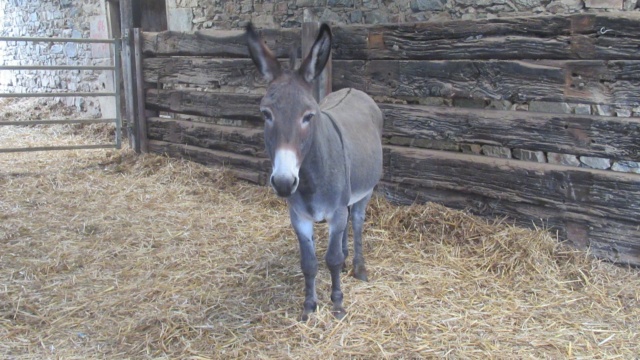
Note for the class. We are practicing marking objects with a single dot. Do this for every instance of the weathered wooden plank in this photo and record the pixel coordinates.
(209, 72)
(590, 208)
(603, 82)
(203, 103)
(539, 37)
(609, 239)
(579, 191)
(593, 81)
(579, 81)
(581, 135)
(249, 168)
(614, 24)
(220, 43)
(238, 140)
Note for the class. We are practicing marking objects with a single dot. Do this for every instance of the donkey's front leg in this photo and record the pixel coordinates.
(335, 258)
(308, 261)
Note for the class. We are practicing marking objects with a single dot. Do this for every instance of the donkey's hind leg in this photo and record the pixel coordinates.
(345, 243)
(357, 221)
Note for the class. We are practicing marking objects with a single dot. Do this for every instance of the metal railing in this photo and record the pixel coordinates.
(116, 68)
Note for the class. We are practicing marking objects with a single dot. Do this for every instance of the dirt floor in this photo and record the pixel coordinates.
(107, 254)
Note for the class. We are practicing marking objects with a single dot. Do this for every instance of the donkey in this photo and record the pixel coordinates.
(326, 157)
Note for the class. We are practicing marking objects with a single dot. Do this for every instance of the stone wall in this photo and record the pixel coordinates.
(60, 19)
(189, 15)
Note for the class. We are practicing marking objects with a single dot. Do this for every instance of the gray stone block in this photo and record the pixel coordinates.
(529, 155)
(596, 162)
(562, 159)
(527, 4)
(623, 112)
(603, 110)
(340, 3)
(582, 109)
(626, 166)
(603, 4)
(436, 144)
(550, 107)
(427, 5)
(375, 17)
(471, 149)
(179, 19)
(356, 17)
(496, 151)
(499, 105)
(469, 103)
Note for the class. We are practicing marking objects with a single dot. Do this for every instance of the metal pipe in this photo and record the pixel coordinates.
(67, 94)
(117, 75)
(116, 68)
(55, 67)
(53, 122)
(49, 148)
(47, 39)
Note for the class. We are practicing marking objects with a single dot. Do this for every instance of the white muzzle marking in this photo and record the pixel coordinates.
(284, 177)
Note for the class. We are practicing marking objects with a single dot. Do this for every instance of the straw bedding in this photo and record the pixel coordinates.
(106, 254)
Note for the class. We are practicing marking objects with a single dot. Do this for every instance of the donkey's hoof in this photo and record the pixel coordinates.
(304, 316)
(309, 306)
(338, 312)
(360, 273)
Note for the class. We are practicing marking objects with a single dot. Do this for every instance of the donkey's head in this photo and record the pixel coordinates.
(289, 107)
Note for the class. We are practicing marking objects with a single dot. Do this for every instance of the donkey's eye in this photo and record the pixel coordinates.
(267, 115)
(307, 118)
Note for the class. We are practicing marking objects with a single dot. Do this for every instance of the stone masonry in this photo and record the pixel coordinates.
(60, 19)
(187, 15)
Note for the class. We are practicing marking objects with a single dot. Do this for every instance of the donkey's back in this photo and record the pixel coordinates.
(359, 122)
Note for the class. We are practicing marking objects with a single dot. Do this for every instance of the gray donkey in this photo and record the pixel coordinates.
(326, 157)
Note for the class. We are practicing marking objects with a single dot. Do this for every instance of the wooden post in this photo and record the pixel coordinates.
(141, 125)
(128, 73)
(322, 84)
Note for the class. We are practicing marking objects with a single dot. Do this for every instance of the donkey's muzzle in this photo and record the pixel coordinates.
(284, 185)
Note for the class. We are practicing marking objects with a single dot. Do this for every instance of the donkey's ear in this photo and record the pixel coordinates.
(318, 55)
(264, 59)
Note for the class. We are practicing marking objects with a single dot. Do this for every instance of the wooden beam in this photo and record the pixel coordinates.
(213, 73)
(594, 205)
(582, 135)
(218, 43)
(245, 167)
(538, 37)
(141, 118)
(582, 81)
(238, 140)
(203, 103)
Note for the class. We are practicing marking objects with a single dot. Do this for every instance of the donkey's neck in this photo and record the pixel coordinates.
(323, 169)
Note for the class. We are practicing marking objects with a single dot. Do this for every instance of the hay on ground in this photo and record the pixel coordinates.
(106, 254)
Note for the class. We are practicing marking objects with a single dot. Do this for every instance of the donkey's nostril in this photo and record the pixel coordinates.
(284, 185)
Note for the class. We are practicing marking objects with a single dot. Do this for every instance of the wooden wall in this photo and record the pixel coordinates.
(210, 89)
